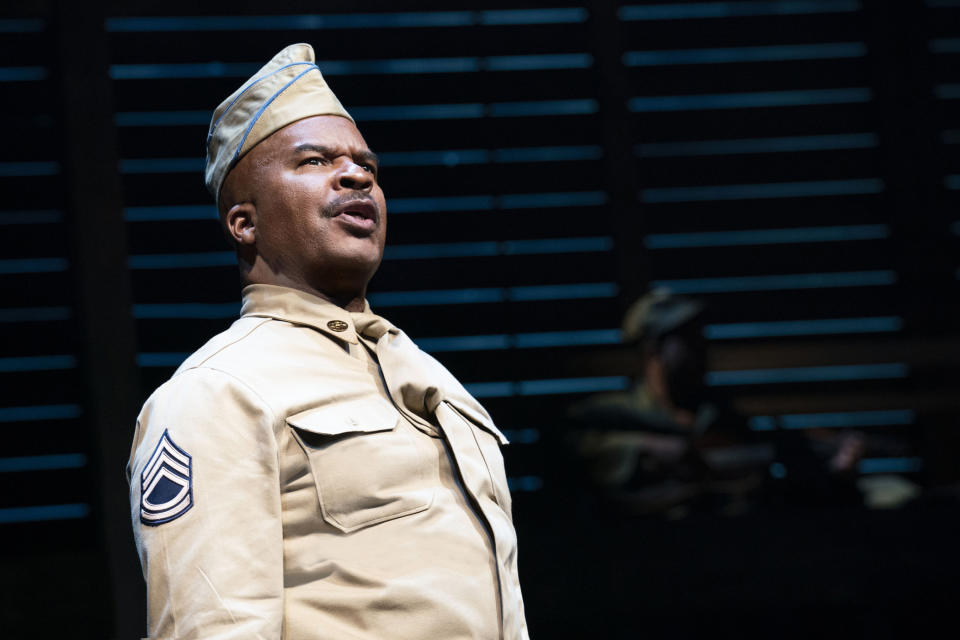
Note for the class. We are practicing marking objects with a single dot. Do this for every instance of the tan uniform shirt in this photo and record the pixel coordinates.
(283, 485)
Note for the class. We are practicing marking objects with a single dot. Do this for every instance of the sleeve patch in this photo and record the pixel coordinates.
(166, 484)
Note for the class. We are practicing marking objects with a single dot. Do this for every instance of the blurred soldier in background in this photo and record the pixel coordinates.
(670, 445)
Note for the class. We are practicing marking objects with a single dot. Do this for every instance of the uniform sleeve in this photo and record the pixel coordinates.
(205, 502)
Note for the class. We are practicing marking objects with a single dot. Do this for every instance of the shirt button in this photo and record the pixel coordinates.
(337, 325)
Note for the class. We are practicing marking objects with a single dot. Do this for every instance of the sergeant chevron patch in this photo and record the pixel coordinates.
(166, 484)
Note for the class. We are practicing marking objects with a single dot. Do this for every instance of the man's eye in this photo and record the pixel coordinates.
(369, 168)
(315, 160)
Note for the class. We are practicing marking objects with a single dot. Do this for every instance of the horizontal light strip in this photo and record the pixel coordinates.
(448, 250)
(522, 436)
(494, 294)
(174, 212)
(807, 189)
(161, 165)
(556, 199)
(37, 363)
(35, 314)
(454, 157)
(491, 248)
(183, 70)
(840, 419)
(757, 145)
(491, 389)
(161, 359)
(22, 74)
(520, 340)
(37, 216)
(944, 45)
(776, 282)
(474, 110)
(766, 236)
(33, 265)
(446, 158)
(537, 62)
(29, 169)
(466, 110)
(491, 342)
(192, 310)
(947, 91)
(548, 154)
(563, 291)
(524, 483)
(775, 53)
(390, 66)
(566, 338)
(701, 10)
(313, 22)
(506, 201)
(557, 245)
(890, 465)
(441, 203)
(547, 387)
(39, 412)
(565, 15)
(887, 371)
(73, 511)
(21, 25)
(183, 260)
(43, 463)
(542, 108)
(740, 330)
(420, 112)
(942, 4)
(760, 99)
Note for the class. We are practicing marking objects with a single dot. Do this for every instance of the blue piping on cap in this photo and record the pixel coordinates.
(214, 126)
(266, 104)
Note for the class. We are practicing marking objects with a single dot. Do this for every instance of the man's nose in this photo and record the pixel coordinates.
(353, 176)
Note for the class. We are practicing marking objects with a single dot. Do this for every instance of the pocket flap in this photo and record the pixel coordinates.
(357, 415)
(475, 414)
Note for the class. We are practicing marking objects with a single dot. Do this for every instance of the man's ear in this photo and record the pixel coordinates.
(241, 223)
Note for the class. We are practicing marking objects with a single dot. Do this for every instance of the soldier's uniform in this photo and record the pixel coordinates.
(309, 473)
(283, 487)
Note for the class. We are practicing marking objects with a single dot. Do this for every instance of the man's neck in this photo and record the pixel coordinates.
(353, 302)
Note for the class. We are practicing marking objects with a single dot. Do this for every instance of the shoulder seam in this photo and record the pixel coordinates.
(229, 344)
(260, 398)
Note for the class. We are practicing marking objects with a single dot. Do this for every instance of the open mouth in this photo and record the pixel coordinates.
(361, 211)
(359, 216)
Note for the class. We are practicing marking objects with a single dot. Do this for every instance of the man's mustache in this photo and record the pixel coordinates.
(331, 209)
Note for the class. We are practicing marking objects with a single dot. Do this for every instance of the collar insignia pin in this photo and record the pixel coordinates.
(337, 325)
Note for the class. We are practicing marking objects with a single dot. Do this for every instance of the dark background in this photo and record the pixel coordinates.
(794, 164)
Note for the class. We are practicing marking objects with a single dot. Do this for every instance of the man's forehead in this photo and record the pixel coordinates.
(320, 131)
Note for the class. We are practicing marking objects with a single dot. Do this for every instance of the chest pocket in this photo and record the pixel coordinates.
(366, 462)
(488, 441)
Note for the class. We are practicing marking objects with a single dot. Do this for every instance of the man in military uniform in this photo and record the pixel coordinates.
(669, 446)
(309, 473)
(665, 446)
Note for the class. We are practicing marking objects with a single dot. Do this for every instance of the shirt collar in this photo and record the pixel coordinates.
(300, 307)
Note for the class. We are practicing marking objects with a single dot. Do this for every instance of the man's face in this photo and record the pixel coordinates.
(319, 213)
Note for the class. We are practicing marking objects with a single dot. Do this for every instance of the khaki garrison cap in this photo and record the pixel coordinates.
(288, 88)
(658, 313)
